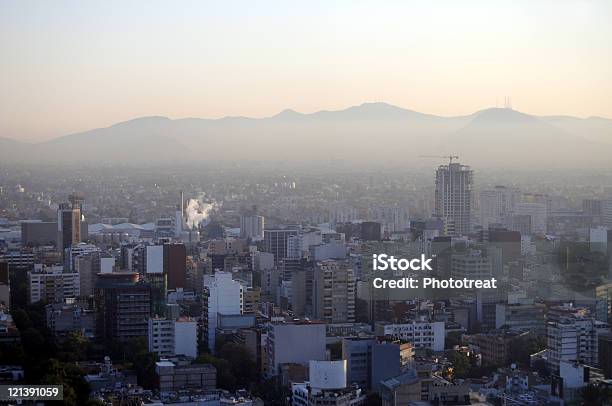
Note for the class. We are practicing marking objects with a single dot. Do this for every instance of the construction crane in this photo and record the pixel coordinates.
(449, 157)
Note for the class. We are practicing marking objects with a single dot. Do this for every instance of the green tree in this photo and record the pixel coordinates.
(225, 375)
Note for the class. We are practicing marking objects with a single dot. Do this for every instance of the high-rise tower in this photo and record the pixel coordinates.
(453, 197)
(69, 223)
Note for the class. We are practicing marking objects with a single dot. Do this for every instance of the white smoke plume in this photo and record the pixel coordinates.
(197, 212)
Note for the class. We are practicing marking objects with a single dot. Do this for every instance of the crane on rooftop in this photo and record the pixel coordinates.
(449, 157)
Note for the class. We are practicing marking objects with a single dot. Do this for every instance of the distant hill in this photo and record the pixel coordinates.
(371, 132)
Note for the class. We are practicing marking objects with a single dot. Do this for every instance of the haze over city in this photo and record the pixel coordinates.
(351, 203)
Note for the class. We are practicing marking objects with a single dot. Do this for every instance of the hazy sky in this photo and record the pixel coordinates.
(67, 66)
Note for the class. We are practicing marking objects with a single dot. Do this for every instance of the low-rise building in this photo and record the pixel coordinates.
(177, 375)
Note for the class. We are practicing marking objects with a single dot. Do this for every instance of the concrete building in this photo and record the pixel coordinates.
(65, 318)
(419, 333)
(333, 292)
(473, 264)
(69, 223)
(495, 204)
(326, 386)
(169, 338)
(394, 218)
(527, 316)
(494, 346)
(298, 342)
(36, 233)
(453, 196)
(123, 306)
(252, 227)
(604, 353)
(52, 284)
(574, 339)
(538, 214)
(175, 264)
(275, 242)
(88, 266)
(221, 295)
(175, 376)
(358, 355)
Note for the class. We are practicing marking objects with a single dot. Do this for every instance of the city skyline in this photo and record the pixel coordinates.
(70, 67)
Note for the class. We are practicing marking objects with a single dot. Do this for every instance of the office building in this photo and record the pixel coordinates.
(69, 223)
(123, 306)
(275, 242)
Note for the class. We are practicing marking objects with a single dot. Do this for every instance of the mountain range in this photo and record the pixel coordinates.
(368, 133)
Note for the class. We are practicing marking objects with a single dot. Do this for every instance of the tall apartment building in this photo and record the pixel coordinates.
(52, 284)
(574, 339)
(252, 227)
(221, 295)
(333, 292)
(453, 196)
(123, 306)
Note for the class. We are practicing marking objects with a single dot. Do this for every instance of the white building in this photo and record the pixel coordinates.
(574, 339)
(326, 386)
(419, 333)
(154, 259)
(222, 295)
(173, 337)
(52, 284)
